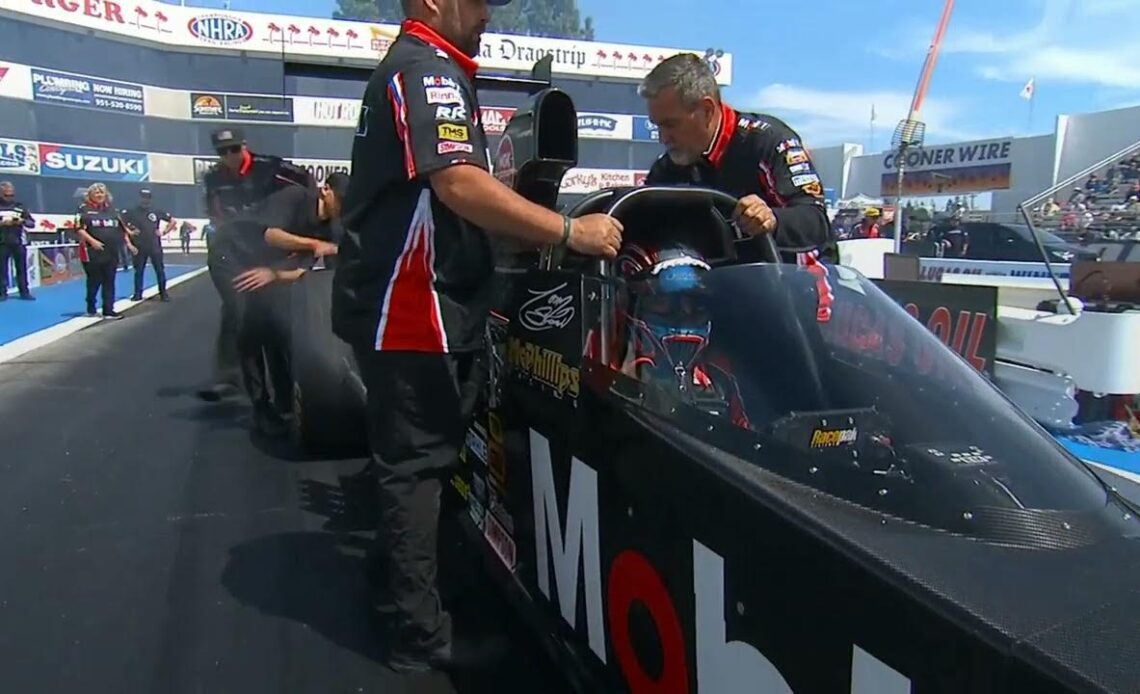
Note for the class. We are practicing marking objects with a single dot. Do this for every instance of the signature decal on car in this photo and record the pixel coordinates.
(547, 309)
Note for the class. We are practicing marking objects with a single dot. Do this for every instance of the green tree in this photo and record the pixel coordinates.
(549, 18)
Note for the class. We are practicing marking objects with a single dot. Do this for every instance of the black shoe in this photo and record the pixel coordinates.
(218, 391)
(136, 297)
(463, 653)
(111, 315)
(27, 297)
(164, 298)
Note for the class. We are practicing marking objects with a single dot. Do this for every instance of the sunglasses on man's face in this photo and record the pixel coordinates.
(232, 149)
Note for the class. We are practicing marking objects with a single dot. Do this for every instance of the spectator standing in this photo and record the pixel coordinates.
(144, 220)
(15, 220)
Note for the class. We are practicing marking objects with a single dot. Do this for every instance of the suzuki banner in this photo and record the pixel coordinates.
(352, 42)
(65, 161)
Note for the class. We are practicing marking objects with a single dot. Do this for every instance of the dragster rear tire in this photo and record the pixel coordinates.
(328, 396)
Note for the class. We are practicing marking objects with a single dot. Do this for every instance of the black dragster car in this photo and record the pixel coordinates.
(853, 507)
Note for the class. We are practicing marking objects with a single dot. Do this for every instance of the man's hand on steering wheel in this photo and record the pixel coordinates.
(753, 216)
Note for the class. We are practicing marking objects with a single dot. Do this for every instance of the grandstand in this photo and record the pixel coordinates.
(1105, 205)
(132, 99)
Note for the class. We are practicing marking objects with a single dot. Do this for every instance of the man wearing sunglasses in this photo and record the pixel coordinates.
(237, 188)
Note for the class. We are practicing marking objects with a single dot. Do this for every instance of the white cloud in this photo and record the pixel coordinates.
(826, 118)
(1090, 42)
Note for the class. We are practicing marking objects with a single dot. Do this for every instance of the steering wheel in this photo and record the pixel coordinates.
(721, 205)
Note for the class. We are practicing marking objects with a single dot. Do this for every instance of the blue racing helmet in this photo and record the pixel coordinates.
(668, 300)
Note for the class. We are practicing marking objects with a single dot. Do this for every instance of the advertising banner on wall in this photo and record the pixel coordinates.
(605, 126)
(326, 111)
(580, 181)
(15, 81)
(65, 161)
(321, 168)
(241, 107)
(69, 89)
(965, 167)
(644, 130)
(352, 42)
(19, 157)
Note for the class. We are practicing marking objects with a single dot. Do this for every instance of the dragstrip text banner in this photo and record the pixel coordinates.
(327, 40)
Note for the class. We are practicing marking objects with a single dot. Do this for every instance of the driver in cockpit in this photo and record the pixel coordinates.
(665, 327)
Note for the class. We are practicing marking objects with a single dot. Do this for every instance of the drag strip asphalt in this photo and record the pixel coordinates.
(152, 544)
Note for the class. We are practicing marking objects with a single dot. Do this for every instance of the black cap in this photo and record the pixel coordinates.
(145, 193)
(227, 137)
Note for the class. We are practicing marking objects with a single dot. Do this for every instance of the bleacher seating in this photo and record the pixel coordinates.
(1106, 206)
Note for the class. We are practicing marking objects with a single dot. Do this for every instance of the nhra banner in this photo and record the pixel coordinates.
(359, 43)
(964, 317)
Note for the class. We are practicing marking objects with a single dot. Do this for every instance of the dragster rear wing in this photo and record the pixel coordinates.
(540, 78)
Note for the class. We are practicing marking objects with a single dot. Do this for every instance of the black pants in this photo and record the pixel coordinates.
(152, 252)
(101, 280)
(227, 368)
(419, 406)
(185, 244)
(263, 346)
(19, 256)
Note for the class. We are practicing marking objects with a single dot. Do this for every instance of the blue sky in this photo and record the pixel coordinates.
(822, 64)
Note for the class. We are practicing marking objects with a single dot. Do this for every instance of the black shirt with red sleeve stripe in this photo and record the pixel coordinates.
(757, 154)
(411, 274)
(236, 201)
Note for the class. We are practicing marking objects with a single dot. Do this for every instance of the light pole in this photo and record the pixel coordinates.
(909, 133)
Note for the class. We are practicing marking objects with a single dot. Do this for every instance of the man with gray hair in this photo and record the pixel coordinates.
(754, 157)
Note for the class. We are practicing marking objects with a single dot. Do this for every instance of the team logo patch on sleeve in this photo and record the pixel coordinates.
(456, 133)
(453, 147)
(801, 181)
(784, 146)
(451, 113)
(443, 95)
(796, 156)
(813, 189)
(440, 81)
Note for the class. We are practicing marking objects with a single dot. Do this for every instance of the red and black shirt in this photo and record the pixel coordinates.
(105, 225)
(757, 154)
(411, 274)
(235, 202)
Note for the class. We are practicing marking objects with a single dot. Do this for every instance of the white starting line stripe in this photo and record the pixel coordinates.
(27, 343)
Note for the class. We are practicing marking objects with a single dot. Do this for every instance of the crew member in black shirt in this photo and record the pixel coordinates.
(236, 190)
(412, 290)
(299, 225)
(754, 157)
(144, 220)
(15, 220)
(102, 233)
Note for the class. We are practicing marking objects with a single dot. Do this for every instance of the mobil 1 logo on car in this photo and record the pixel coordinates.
(662, 610)
(97, 164)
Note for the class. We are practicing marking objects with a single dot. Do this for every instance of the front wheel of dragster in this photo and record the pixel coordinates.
(329, 404)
